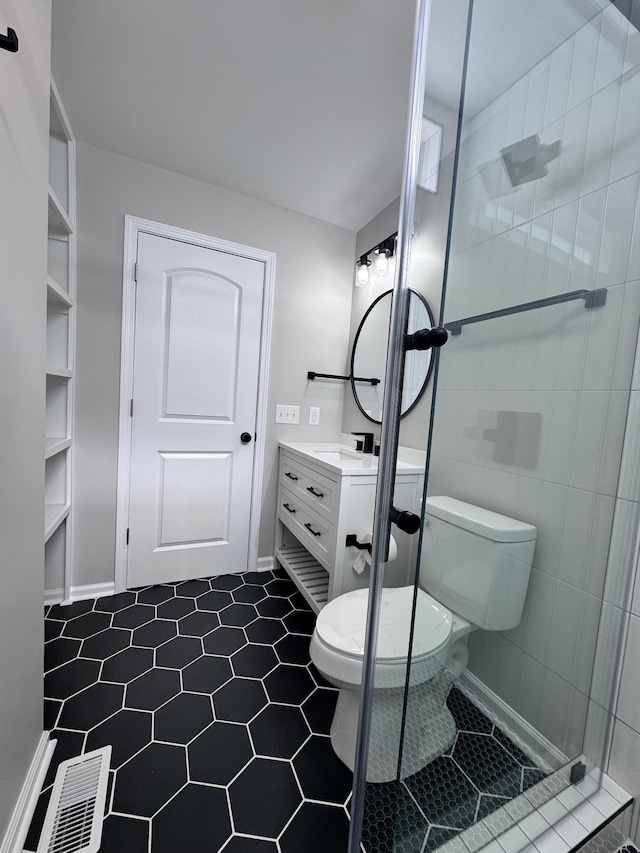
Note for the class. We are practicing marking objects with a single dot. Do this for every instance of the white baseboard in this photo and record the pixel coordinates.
(79, 593)
(264, 564)
(527, 736)
(16, 833)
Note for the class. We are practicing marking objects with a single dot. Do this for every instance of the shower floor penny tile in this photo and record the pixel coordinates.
(219, 725)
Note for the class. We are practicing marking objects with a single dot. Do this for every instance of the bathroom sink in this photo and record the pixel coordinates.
(337, 455)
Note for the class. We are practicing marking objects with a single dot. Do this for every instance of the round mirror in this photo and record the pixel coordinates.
(369, 356)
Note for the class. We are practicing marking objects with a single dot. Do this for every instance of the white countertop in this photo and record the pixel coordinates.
(344, 460)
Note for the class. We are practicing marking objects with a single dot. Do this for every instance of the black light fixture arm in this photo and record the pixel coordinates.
(311, 375)
(10, 41)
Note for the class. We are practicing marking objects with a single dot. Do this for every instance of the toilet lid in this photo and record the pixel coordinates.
(342, 623)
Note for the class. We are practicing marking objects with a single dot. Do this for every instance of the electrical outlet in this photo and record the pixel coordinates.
(314, 415)
(287, 414)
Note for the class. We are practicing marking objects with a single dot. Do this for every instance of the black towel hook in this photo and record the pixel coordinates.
(10, 41)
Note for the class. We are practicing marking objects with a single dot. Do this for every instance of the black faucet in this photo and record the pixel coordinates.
(366, 445)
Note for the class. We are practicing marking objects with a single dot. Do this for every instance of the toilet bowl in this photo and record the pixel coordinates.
(439, 641)
(474, 573)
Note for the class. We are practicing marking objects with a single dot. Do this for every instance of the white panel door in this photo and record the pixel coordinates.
(195, 385)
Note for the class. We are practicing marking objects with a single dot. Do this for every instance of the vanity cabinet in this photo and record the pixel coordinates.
(321, 500)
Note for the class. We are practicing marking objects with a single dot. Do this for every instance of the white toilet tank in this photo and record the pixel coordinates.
(477, 562)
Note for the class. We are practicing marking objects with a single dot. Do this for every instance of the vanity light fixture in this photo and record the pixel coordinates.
(362, 275)
(382, 253)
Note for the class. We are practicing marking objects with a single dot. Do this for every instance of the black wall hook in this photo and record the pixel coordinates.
(10, 41)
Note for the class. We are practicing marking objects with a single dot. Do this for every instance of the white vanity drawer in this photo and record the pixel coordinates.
(313, 488)
(311, 529)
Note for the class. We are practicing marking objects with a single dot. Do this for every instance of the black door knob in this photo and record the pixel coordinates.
(245, 438)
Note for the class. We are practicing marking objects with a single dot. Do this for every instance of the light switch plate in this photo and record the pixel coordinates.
(287, 414)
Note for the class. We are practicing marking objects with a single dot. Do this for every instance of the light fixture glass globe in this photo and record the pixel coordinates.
(381, 263)
(362, 275)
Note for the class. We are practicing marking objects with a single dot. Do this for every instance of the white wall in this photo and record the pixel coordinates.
(310, 325)
(24, 122)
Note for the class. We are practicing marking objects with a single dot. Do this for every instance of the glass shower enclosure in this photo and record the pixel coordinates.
(529, 251)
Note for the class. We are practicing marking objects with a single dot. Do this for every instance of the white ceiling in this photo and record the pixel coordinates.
(301, 103)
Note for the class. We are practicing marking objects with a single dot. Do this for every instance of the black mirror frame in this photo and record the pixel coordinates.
(418, 397)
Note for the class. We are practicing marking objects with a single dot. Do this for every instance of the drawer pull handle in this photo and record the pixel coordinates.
(290, 508)
(311, 530)
(290, 476)
(314, 493)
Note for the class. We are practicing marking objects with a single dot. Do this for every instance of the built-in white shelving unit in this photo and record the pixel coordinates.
(61, 288)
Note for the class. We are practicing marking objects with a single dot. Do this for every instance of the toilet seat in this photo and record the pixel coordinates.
(337, 646)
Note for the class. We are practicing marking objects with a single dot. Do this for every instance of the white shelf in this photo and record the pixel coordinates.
(59, 222)
(305, 571)
(60, 358)
(57, 297)
(54, 515)
(59, 372)
(52, 446)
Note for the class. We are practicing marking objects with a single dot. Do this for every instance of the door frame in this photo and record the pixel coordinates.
(133, 226)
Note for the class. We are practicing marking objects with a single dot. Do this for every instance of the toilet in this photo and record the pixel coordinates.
(474, 574)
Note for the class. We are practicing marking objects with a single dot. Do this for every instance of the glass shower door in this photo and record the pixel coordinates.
(530, 248)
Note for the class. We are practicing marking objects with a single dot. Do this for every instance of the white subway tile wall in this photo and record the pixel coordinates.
(578, 227)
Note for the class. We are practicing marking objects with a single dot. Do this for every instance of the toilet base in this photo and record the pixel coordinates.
(429, 728)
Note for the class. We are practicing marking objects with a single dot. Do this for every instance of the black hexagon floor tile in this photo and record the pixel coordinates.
(238, 615)
(214, 601)
(52, 629)
(101, 646)
(280, 587)
(198, 624)
(134, 616)
(293, 649)
(66, 612)
(153, 689)
(268, 814)
(194, 821)
(300, 622)
(127, 731)
(274, 607)
(218, 754)
(121, 834)
(71, 678)
(60, 651)
(249, 594)
(155, 594)
(266, 631)
(319, 708)
(321, 774)
(87, 625)
(468, 718)
(176, 608)
(316, 828)
(127, 665)
(278, 731)
(179, 652)
(254, 661)
(239, 700)
(114, 603)
(224, 640)
(181, 719)
(289, 684)
(192, 589)
(155, 633)
(206, 674)
(226, 582)
(149, 780)
(91, 706)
